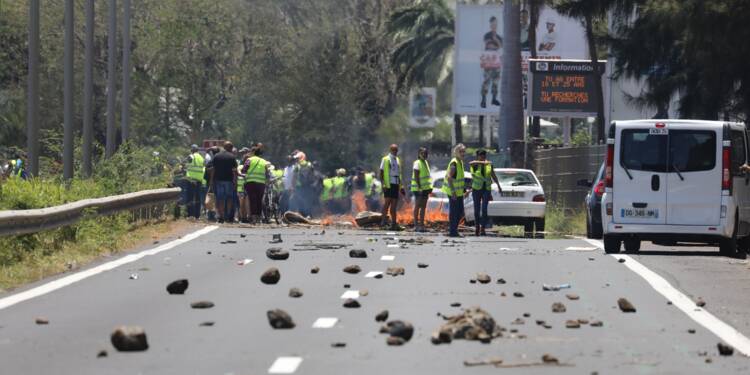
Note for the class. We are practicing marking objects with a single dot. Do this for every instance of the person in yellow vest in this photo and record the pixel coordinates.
(421, 187)
(454, 188)
(390, 174)
(244, 214)
(482, 176)
(326, 195)
(256, 171)
(370, 186)
(341, 192)
(194, 173)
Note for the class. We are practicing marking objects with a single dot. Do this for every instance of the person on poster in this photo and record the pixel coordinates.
(549, 40)
(524, 30)
(490, 63)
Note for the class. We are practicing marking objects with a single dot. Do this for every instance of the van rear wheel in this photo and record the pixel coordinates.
(612, 245)
(632, 245)
(730, 246)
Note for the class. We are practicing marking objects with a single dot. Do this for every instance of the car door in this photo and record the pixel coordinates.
(639, 193)
(694, 178)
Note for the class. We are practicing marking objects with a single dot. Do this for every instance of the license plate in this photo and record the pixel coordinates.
(640, 213)
(512, 194)
(658, 131)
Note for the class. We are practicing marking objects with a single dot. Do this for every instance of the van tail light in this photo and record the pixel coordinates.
(538, 198)
(726, 173)
(610, 161)
(599, 188)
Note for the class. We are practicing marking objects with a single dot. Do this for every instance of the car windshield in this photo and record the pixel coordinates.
(515, 178)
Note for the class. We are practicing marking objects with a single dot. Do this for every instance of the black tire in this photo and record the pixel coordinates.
(539, 227)
(528, 227)
(632, 245)
(589, 233)
(596, 230)
(730, 246)
(612, 245)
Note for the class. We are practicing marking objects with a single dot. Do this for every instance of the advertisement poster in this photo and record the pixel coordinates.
(478, 59)
(422, 107)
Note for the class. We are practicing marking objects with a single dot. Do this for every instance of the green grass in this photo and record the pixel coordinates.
(565, 222)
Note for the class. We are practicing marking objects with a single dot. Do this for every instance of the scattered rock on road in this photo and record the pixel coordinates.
(724, 349)
(456, 304)
(202, 305)
(41, 320)
(473, 324)
(621, 260)
(382, 316)
(295, 293)
(422, 265)
(395, 341)
(572, 324)
(270, 276)
(549, 359)
(596, 323)
(276, 238)
(442, 336)
(357, 253)
(401, 329)
(395, 271)
(625, 305)
(102, 353)
(277, 253)
(518, 294)
(351, 303)
(572, 296)
(338, 345)
(206, 324)
(558, 307)
(700, 302)
(315, 269)
(483, 278)
(279, 319)
(691, 331)
(129, 339)
(353, 269)
(177, 286)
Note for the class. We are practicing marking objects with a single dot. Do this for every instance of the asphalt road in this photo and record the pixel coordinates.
(655, 339)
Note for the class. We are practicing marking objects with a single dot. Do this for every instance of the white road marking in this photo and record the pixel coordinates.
(350, 294)
(285, 365)
(390, 233)
(76, 277)
(388, 257)
(723, 330)
(372, 274)
(325, 322)
(576, 248)
(392, 245)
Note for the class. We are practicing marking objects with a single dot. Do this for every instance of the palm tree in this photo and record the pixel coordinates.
(512, 109)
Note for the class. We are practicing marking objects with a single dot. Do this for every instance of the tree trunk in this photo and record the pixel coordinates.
(534, 8)
(512, 106)
(600, 121)
(481, 130)
(457, 128)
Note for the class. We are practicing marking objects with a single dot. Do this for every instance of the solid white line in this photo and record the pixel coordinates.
(576, 248)
(388, 257)
(325, 322)
(285, 365)
(723, 330)
(76, 277)
(354, 294)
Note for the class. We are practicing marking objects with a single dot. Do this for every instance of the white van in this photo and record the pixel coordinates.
(676, 181)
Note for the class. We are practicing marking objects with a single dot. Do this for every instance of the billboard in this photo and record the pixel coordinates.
(477, 63)
(557, 36)
(562, 88)
(422, 107)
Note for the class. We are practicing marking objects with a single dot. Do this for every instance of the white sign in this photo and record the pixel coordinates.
(422, 107)
(477, 65)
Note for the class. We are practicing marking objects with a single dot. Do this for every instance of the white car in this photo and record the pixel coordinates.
(438, 200)
(522, 201)
(676, 180)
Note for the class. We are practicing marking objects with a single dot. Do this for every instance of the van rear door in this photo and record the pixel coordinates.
(694, 179)
(639, 194)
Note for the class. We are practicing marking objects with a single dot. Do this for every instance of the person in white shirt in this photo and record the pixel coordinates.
(549, 40)
(390, 174)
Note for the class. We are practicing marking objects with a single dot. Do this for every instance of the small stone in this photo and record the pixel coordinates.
(443, 336)
(363, 292)
(572, 296)
(338, 345)
(347, 286)
(315, 269)
(270, 276)
(709, 360)
(558, 307)
(177, 286)
(276, 238)
(502, 294)
(724, 349)
(518, 321)
(669, 302)
(242, 235)
(621, 260)
(382, 316)
(501, 281)
(547, 326)
(422, 265)
(518, 294)
(548, 358)
(379, 276)
(207, 324)
(202, 305)
(357, 253)
(351, 303)
(483, 278)
(540, 322)
(625, 305)
(572, 324)
(394, 341)
(590, 258)
(691, 331)
(277, 253)
(209, 252)
(513, 330)
(596, 323)
(129, 339)
(526, 315)
(395, 271)
(583, 321)
(400, 329)
(295, 293)
(280, 319)
(456, 304)
(472, 281)
(41, 320)
(102, 353)
(353, 269)
(700, 302)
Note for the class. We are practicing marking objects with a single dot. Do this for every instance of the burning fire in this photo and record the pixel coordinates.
(405, 212)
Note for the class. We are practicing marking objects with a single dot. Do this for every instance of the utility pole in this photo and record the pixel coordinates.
(111, 83)
(125, 71)
(32, 104)
(68, 92)
(88, 89)
(511, 110)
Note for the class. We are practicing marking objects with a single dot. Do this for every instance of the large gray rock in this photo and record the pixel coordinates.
(473, 324)
(129, 339)
(279, 319)
(271, 276)
(399, 328)
(357, 253)
(277, 253)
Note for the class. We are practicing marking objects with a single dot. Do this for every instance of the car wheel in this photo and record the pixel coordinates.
(528, 227)
(612, 245)
(589, 234)
(730, 246)
(596, 230)
(632, 245)
(539, 227)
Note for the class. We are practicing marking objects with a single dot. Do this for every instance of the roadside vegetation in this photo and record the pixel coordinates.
(559, 222)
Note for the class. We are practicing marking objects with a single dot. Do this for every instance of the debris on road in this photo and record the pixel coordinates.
(548, 358)
(558, 307)
(485, 362)
(133, 276)
(338, 345)
(422, 265)
(554, 288)
(416, 241)
(244, 262)
(276, 238)
(395, 271)
(271, 276)
(177, 286)
(518, 294)
(347, 286)
(351, 303)
(724, 349)
(382, 316)
(368, 218)
(691, 331)
(518, 321)
(312, 246)
(129, 339)
(473, 324)
(501, 281)
(363, 292)
(572, 296)
(621, 260)
(295, 293)
(596, 323)
(277, 253)
(572, 324)
(41, 321)
(102, 353)
(483, 278)
(700, 302)
(296, 218)
(206, 324)
(456, 304)
(625, 305)
(315, 269)
(399, 332)
(202, 305)
(357, 253)
(395, 341)
(353, 269)
(279, 319)
(228, 242)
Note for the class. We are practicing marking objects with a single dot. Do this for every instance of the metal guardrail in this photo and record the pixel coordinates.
(13, 222)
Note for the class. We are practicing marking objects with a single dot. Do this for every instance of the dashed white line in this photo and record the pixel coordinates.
(285, 365)
(392, 245)
(576, 248)
(350, 294)
(388, 257)
(76, 277)
(325, 322)
(372, 274)
(723, 330)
